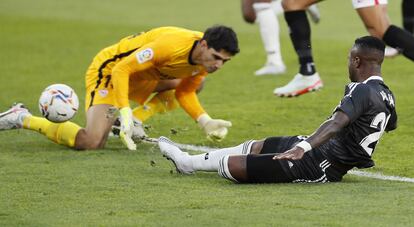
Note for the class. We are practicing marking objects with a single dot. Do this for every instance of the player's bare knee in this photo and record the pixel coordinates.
(376, 31)
(293, 5)
(257, 147)
(85, 141)
(93, 145)
(237, 168)
(233, 167)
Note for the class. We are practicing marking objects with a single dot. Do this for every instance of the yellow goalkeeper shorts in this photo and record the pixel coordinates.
(100, 90)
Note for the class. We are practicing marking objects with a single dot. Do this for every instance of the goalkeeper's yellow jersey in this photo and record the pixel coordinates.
(143, 60)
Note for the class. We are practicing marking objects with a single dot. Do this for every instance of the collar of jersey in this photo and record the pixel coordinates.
(190, 61)
(373, 78)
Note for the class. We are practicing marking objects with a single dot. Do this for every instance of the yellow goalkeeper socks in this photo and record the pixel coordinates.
(61, 133)
(160, 103)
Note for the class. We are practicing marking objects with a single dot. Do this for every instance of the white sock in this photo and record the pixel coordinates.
(210, 161)
(269, 31)
(277, 7)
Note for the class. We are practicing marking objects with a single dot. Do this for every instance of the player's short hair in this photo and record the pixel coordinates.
(221, 37)
(370, 42)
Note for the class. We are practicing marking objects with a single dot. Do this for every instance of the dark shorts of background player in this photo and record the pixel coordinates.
(312, 168)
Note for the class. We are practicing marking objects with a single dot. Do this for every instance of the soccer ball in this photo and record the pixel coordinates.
(58, 103)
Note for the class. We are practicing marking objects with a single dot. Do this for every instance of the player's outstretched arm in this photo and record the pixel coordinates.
(120, 79)
(215, 129)
(326, 131)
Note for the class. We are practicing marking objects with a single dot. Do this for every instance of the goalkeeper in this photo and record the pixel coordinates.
(133, 69)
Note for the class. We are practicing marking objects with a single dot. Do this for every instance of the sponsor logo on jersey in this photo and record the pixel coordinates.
(145, 55)
(103, 93)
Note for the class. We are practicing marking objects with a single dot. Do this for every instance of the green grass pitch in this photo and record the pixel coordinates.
(43, 184)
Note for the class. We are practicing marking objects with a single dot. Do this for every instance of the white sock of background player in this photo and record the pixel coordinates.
(269, 31)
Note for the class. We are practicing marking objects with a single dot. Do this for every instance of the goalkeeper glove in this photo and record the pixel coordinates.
(127, 124)
(216, 129)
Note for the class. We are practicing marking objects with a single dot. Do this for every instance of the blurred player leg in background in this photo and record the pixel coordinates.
(314, 13)
(408, 15)
(377, 23)
(264, 12)
(407, 8)
(300, 33)
(374, 15)
(391, 52)
(269, 32)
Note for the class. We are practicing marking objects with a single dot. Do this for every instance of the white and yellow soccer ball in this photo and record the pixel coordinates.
(58, 103)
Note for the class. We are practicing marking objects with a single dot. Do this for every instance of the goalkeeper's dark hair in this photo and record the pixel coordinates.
(221, 37)
(370, 42)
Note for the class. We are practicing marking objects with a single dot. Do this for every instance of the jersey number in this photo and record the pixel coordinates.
(369, 142)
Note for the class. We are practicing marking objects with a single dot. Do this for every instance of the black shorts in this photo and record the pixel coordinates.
(313, 167)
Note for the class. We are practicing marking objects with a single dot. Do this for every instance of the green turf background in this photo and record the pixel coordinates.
(43, 184)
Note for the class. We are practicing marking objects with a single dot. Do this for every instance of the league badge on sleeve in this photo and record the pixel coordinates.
(145, 55)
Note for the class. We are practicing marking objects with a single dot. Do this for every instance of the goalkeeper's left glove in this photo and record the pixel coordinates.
(216, 129)
(126, 128)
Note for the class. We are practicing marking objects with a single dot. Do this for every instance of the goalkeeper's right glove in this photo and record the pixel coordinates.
(126, 128)
(216, 129)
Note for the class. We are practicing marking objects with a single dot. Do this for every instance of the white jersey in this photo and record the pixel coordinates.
(367, 3)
